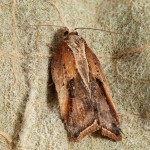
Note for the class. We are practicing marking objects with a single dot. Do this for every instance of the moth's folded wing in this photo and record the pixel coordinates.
(62, 69)
(82, 119)
(107, 115)
(75, 104)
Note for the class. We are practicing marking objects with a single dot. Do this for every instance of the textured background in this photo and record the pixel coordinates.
(29, 109)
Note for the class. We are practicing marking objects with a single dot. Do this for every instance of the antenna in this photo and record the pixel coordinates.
(98, 29)
(65, 24)
(62, 19)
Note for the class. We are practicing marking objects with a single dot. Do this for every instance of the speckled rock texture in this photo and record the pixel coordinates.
(29, 109)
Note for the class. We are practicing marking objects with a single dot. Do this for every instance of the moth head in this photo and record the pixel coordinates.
(68, 32)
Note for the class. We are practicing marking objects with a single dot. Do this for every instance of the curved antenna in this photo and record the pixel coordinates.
(62, 19)
(37, 25)
(98, 29)
(65, 24)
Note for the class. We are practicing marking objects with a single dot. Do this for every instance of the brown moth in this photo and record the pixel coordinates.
(84, 98)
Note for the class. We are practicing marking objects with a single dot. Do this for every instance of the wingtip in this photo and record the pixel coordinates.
(111, 135)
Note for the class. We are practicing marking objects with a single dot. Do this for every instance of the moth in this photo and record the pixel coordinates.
(84, 97)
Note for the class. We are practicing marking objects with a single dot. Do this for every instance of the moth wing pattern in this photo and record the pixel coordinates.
(83, 111)
(107, 115)
(75, 108)
(62, 72)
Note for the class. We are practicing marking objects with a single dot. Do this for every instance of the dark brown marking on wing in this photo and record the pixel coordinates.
(84, 110)
(107, 116)
(63, 69)
(71, 88)
(82, 114)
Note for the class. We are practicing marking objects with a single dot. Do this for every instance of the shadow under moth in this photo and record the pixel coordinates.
(84, 98)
